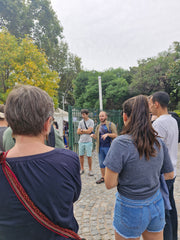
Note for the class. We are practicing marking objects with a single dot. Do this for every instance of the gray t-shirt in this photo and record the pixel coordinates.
(85, 137)
(2, 129)
(138, 178)
(167, 129)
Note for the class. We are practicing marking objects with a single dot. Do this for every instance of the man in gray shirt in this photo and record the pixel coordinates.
(167, 129)
(85, 128)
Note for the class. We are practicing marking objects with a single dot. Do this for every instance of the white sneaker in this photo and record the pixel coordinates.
(91, 173)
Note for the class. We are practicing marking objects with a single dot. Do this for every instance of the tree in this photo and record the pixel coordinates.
(86, 89)
(67, 74)
(80, 86)
(116, 93)
(22, 63)
(8, 55)
(158, 73)
(174, 75)
(37, 20)
(34, 18)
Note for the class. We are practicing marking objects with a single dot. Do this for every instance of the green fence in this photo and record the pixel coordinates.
(114, 116)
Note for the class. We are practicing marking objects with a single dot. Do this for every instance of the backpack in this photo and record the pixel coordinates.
(175, 115)
(110, 128)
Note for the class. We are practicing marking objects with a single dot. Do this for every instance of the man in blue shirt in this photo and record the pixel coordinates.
(105, 132)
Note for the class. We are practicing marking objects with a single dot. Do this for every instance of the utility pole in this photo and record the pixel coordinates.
(63, 100)
(100, 94)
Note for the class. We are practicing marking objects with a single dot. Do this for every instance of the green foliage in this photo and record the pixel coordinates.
(174, 74)
(86, 89)
(159, 73)
(116, 93)
(85, 86)
(22, 63)
(178, 112)
(34, 18)
(69, 71)
(37, 20)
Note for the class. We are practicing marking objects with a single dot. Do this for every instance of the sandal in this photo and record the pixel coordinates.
(101, 180)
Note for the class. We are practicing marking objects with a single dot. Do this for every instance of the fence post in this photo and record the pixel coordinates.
(70, 127)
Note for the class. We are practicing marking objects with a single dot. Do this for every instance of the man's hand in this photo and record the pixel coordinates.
(105, 136)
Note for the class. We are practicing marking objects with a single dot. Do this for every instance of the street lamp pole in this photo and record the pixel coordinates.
(100, 94)
(63, 100)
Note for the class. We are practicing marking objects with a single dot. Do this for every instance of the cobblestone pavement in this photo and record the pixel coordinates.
(94, 209)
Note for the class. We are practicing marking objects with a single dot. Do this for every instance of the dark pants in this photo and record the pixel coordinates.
(171, 227)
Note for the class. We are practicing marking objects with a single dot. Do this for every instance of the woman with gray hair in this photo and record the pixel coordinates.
(49, 177)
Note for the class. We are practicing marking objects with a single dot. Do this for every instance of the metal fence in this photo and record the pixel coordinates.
(114, 116)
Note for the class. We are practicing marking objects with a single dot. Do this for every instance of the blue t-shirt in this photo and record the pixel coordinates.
(103, 130)
(138, 178)
(52, 181)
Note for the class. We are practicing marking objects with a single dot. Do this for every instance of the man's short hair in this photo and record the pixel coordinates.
(84, 111)
(162, 98)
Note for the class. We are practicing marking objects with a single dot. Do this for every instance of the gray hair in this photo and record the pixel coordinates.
(27, 109)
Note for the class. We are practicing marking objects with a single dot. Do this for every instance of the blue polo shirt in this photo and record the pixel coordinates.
(52, 181)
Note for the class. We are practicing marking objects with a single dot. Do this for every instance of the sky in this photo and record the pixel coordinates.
(117, 33)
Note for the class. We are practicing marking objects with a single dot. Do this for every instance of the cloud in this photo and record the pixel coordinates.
(117, 33)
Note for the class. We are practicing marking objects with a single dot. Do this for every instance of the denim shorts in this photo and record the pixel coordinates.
(133, 217)
(85, 147)
(102, 154)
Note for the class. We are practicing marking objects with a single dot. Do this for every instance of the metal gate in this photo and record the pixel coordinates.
(114, 116)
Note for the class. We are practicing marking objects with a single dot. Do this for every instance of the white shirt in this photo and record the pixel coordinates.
(167, 129)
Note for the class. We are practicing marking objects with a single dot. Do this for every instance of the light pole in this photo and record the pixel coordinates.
(63, 100)
(100, 94)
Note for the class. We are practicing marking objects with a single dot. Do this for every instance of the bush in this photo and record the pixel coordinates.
(177, 111)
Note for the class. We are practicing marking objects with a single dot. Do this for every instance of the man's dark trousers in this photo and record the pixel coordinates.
(171, 227)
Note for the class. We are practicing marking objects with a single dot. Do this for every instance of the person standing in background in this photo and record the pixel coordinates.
(85, 128)
(134, 163)
(104, 134)
(3, 126)
(167, 128)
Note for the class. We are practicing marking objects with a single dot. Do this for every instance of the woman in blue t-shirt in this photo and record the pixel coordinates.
(50, 176)
(134, 164)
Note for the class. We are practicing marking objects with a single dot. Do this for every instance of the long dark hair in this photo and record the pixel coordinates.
(139, 126)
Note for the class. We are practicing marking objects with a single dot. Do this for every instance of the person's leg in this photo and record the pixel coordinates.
(102, 172)
(119, 237)
(89, 156)
(81, 156)
(101, 165)
(152, 235)
(168, 233)
(90, 163)
(82, 162)
(171, 227)
(101, 159)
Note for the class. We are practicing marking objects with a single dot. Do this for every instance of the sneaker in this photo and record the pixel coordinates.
(81, 172)
(91, 173)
